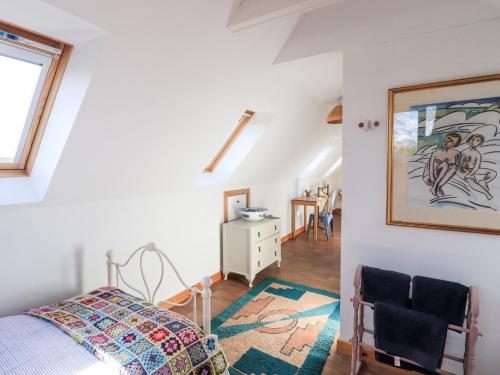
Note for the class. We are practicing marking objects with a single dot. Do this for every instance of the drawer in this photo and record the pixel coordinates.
(266, 252)
(265, 230)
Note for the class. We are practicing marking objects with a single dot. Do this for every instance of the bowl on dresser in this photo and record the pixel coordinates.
(253, 213)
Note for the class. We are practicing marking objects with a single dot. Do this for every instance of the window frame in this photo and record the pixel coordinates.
(47, 95)
(244, 120)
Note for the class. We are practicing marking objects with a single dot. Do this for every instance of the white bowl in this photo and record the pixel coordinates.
(253, 213)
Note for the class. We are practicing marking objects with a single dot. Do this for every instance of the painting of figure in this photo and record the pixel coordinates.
(442, 164)
(470, 167)
(457, 155)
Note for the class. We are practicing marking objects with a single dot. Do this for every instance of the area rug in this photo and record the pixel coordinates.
(279, 327)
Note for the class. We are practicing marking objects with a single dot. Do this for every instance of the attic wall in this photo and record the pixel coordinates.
(468, 258)
(54, 252)
(149, 124)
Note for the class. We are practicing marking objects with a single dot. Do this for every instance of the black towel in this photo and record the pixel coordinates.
(414, 335)
(441, 298)
(403, 365)
(385, 286)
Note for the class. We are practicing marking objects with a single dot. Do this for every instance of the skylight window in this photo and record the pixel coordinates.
(333, 168)
(19, 82)
(315, 162)
(237, 147)
(31, 68)
(244, 120)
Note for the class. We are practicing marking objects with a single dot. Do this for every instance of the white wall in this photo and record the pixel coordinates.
(54, 250)
(472, 259)
(51, 252)
(276, 196)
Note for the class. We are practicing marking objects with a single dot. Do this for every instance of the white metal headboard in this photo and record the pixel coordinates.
(115, 275)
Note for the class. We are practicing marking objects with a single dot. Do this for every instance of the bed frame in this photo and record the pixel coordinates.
(115, 276)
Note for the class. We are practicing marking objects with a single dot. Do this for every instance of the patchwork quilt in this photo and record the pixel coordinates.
(135, 336)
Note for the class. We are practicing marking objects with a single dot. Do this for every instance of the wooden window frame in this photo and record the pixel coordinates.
(245, 119)
(46, 99)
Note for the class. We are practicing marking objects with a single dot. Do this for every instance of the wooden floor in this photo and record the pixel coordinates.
(313, 263)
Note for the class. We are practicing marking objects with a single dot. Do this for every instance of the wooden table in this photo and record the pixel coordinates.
(307, 202)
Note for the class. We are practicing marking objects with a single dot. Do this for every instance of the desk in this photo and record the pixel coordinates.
(311, 202)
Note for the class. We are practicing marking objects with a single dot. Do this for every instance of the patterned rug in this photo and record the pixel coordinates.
(279, 327)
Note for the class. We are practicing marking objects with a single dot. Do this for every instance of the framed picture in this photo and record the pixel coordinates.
(444, 155)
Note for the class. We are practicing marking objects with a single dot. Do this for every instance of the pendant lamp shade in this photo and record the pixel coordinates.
(335, 115)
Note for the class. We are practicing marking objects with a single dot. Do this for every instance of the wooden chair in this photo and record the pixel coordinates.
(324, 190)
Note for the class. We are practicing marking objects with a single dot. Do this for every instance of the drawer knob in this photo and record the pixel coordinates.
(258, 234)
(275, 253)
(258, 263)
(275, 227)
(259, 249)
(275, 240)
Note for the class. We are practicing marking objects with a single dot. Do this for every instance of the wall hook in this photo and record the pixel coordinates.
(370, 125)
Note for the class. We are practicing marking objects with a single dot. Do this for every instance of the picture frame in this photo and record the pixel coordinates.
(443, 155)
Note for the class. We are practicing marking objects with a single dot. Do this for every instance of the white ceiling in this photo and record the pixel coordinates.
(173, 80)
(318, 77)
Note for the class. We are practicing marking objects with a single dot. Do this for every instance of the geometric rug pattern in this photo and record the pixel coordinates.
(279, 327)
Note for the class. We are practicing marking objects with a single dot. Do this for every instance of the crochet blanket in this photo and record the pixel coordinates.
(134, 335)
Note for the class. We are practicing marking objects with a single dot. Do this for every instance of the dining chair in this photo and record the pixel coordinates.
(326, 216)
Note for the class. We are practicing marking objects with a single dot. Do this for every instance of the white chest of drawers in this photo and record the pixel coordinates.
(250, 246)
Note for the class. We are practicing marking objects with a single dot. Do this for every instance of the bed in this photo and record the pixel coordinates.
(111, 331)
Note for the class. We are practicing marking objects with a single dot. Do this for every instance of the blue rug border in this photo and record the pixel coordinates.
(317, 356)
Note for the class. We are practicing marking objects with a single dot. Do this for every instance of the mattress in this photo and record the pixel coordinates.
(32, 346)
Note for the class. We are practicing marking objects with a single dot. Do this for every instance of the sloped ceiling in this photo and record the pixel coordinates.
(170, 85)
(363, 23)
(300, 131)
(173, 80)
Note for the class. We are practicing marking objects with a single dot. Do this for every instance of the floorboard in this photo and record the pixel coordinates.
(309, 262)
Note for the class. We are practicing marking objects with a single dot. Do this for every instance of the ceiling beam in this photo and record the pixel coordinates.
(250, 13)
(362, 23)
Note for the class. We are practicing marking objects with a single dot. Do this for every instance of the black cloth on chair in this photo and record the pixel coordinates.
(385, 286)
(414, 335)
(441, 298)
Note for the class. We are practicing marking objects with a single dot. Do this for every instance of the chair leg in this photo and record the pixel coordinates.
(311, 221)
(326, 225)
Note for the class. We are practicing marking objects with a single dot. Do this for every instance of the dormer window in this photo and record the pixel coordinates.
(31, 69)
